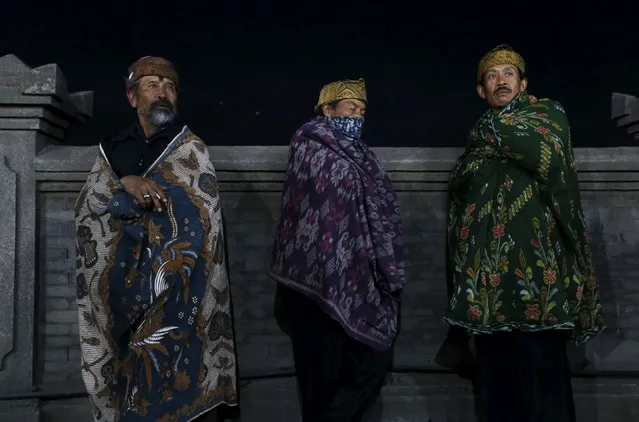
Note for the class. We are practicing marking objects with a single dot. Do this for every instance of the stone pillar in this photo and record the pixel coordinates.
(35, 110)
(625, 111)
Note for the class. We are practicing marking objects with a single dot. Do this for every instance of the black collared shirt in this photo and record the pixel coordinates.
(130, 152)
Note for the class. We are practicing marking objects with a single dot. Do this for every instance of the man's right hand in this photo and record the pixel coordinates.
(145, 191)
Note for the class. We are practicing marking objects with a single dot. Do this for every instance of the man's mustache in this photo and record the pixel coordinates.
(502, 89)
(161, 103)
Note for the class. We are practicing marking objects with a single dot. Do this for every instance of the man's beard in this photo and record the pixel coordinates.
(162, 112)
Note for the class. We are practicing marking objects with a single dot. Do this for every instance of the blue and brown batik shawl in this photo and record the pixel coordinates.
(339, 238)
(153, 293)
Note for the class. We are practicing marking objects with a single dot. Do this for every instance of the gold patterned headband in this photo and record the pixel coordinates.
(342, 90)
(502, 54)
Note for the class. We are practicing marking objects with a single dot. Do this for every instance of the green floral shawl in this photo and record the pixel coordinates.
(518, 250)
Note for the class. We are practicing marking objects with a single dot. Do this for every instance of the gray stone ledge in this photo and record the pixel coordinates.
(53, 182)
(273, 158)
(44, 86)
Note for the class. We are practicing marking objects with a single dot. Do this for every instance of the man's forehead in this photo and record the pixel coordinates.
(154, 78)
(499, 67)
(356, 102)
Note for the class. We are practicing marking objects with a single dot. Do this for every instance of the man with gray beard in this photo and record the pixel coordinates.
(152, 90)
(155, 321)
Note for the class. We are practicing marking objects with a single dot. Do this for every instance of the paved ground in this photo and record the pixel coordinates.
(406, 398)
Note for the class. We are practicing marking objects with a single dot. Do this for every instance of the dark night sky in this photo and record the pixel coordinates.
(251, 71)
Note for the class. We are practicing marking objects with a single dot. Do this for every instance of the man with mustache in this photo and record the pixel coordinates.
(151, 88)
(519, 259)
(153, 292)
(338, 252)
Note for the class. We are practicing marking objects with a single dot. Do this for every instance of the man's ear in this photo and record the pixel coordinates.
(133, 100)
(481, 91)
(523, 84)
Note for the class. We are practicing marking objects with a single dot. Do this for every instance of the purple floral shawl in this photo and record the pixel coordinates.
(339, 238)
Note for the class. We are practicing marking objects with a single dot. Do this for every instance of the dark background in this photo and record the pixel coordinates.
(251, 71)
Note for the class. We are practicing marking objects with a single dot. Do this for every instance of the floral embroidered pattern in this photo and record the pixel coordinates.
(519, 253)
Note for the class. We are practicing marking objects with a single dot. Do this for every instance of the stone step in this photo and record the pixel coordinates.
(405, 398)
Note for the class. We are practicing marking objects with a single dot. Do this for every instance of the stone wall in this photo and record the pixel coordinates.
(250, 184)
(39, 351)
(58, 346)
(35, 110)
(250, 181)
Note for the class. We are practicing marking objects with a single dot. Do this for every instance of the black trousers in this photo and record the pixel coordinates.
(525, 377)
(339, 378)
